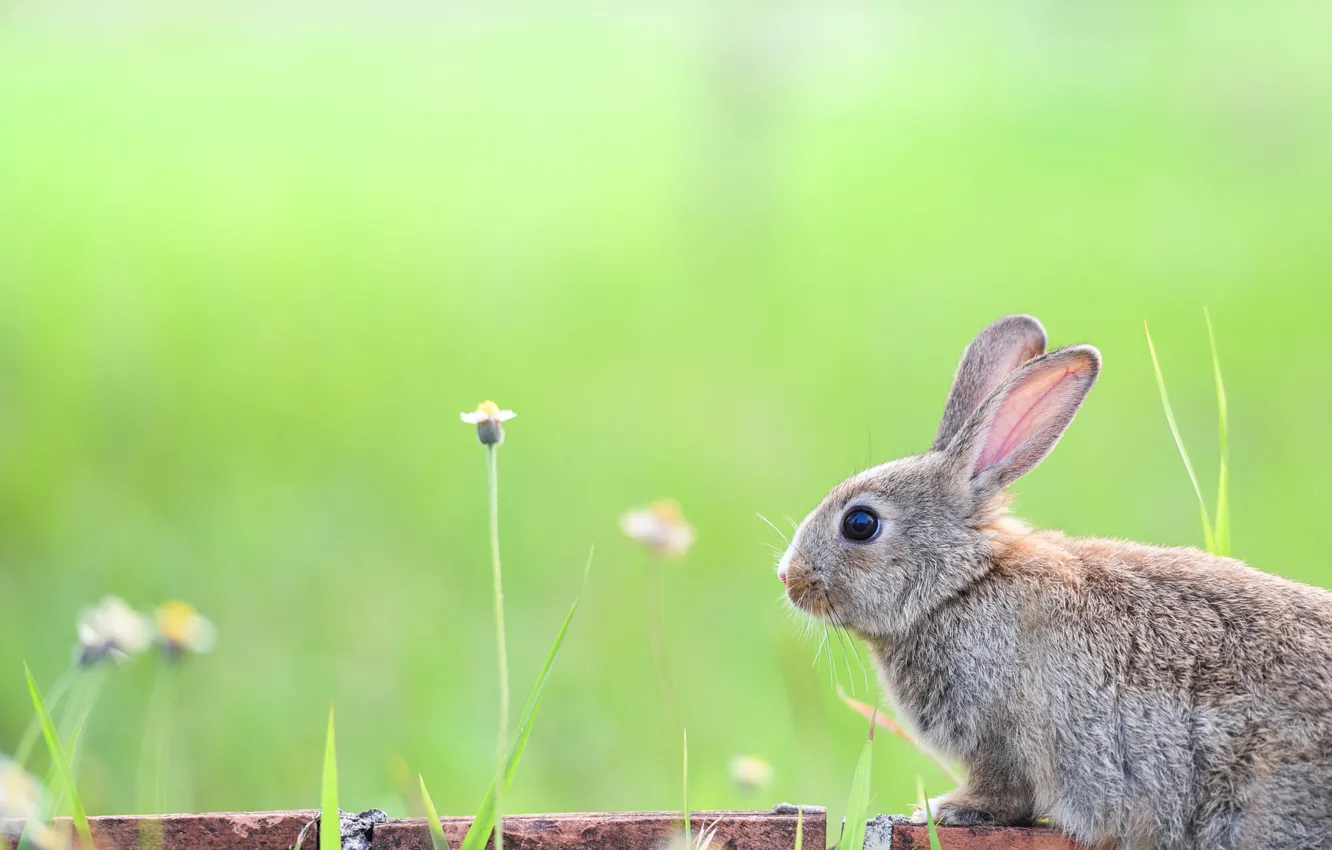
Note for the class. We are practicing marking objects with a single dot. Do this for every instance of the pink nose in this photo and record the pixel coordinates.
(781, 574)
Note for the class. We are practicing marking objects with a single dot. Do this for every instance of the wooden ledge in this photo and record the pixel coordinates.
(912, 837)
(762, 830)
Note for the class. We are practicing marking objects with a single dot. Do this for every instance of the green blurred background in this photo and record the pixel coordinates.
(256, 257)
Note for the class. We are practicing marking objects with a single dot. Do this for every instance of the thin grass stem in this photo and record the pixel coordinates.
(1209, 535)
(492, 464)
(1223, 481)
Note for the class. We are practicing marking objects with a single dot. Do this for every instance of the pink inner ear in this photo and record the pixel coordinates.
(1021, 414)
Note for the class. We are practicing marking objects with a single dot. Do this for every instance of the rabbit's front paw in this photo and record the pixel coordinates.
(951, 813)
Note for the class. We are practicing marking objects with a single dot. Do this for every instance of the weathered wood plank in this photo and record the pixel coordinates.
(911, 837)
(592, 831)
(626, 831)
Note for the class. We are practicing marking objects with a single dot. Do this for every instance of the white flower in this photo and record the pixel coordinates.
(181, 629)
(661, 527)
(487, 418)
(113, 629)
(702, 840)
(20, 793)
(750, 772)
(21, 800)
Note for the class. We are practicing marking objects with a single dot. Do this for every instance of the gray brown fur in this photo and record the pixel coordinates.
(1138, 696)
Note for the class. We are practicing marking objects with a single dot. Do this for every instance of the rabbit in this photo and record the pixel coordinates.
(1136, 696)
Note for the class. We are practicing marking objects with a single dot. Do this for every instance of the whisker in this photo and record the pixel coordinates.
(832, 665)
(780, 533)
(838, 628)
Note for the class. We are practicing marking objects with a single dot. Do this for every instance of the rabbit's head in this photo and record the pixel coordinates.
(888, 545)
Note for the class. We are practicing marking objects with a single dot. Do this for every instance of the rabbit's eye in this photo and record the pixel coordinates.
(860, 524)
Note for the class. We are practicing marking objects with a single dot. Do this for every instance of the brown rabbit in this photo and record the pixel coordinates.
(1138, 696)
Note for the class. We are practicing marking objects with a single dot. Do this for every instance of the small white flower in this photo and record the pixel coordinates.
(487, 418)
(751, 772)
(21, 800)
(182, 630)
(111, 629)
(703, 839)
(661, 527)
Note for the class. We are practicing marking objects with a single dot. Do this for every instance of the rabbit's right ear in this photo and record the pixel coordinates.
(998, 350)
(1018, 425)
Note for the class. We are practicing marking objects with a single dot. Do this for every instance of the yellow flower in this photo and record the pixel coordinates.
(111, 629)
(661, 527)
(181, 629)
(751, 772)
(487, 418)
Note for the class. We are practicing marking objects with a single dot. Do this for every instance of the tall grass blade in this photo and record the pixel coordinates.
(689, 832)
(929, 815)
(479, 832)
(330, 826)
(800, 828)
(60, 763)
(437, 838)
(1223, 482)
(34, 729)
(873, 715)
(72, 749)
(1209, 536)
(857, 807)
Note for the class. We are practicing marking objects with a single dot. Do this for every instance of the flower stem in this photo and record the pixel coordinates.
(492, 464)
(156, 740)
(660, 659)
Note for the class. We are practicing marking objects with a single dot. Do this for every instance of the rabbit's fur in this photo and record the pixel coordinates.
(1138, 696)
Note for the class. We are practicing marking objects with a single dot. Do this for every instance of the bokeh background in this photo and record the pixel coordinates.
(256, 257)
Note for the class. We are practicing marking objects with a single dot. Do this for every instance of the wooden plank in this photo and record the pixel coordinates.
(912, 837)
(593, 831)
(618, 831)
(223, 831)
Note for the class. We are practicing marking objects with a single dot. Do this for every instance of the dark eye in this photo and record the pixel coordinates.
(860, 524)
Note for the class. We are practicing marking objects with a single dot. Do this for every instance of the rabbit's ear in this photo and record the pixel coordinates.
(1000, 348)
(1020, 422)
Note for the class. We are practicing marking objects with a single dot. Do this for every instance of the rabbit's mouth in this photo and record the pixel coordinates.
(810, 598)
(803, 588)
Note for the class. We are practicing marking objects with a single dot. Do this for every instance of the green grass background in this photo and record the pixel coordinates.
(256, 257)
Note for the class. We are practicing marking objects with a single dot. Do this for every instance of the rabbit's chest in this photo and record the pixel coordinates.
(958, 689)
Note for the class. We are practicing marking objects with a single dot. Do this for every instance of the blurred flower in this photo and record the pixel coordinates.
(113, 629)
(751, 772)
(702, 840)
(181, 629)
(487, 418)
(21, 800)
(661, 527)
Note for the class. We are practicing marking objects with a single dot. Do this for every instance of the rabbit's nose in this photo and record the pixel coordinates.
(781, 573)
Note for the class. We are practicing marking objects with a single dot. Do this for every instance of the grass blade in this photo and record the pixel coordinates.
(857, 807)
(330, 827)
(437, 838)
(929, 815)
(872, 714)
(689, 832)
(484, 822)
(1208, 536)
(1223, 482)
(800, 828)
(60, 763)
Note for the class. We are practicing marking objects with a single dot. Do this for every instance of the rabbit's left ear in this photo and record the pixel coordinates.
(1017, 426)
(1001, 347)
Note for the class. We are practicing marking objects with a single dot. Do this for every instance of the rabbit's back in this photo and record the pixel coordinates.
(1165, 694)
(1205, 702)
